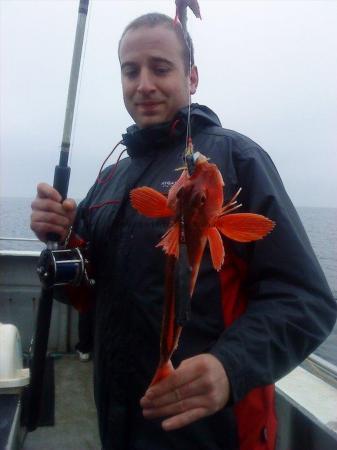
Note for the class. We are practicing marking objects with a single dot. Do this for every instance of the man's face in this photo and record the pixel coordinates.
(155, 85)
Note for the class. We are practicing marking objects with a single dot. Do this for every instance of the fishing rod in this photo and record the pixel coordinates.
(56, 266)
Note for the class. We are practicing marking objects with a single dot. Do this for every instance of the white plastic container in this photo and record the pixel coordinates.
(12, 374)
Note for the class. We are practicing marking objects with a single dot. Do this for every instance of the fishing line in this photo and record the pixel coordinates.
(113, 167)
(188, 144)
(74, 129)
(188, 131)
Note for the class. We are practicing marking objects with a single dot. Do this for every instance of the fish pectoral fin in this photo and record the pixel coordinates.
(170, 241)
(244, 227)
(216, 247)
(149, 202)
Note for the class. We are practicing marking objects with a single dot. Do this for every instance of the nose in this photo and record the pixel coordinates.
(145, 82)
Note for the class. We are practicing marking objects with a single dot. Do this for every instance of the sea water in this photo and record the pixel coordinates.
(320, 225)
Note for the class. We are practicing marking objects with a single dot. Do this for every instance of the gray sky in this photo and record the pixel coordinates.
(267, 68)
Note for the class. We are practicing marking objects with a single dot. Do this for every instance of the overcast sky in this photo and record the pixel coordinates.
(267, 68)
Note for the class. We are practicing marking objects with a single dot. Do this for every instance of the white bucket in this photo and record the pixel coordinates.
(12, 374)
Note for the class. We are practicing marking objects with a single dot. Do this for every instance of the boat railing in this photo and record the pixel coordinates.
(19, 239)
(322, 369)
(19, 246)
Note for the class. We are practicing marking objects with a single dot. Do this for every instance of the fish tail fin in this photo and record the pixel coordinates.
(149, 202)
(164, 370)
(244, 227)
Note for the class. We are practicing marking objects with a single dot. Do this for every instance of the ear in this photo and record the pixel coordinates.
(194, 80)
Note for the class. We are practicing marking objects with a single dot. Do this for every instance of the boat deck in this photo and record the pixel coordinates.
(75, 413)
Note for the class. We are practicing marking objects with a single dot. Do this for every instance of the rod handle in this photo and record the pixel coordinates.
(61, 183)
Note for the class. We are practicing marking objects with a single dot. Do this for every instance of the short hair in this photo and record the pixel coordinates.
(154, 19)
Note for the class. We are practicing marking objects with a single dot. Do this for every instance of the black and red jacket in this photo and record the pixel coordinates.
(261, 315)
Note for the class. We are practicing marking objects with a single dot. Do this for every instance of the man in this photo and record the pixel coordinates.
(251, 323)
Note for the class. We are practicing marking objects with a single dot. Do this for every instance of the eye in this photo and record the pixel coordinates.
(130, 72)
(161, 70)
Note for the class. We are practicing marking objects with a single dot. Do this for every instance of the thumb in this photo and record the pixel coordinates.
(69, 206)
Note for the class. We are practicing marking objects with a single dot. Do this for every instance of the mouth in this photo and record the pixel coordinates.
(148, 106)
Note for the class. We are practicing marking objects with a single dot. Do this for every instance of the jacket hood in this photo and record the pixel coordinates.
(141, 141)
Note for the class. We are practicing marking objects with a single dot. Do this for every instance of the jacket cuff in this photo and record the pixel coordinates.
(236, 375)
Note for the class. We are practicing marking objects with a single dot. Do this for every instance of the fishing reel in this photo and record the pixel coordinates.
(61, 267)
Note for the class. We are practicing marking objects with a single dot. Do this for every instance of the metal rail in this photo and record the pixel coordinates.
(19, 239)
(322, 369)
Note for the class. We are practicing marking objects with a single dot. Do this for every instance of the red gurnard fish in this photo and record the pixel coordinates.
(195, 204)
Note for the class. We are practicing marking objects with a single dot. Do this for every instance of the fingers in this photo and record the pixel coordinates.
(42, 230)
(201, 393)
(44, 190)
(44, 222)
(49, 215)
(181, 420)
(47, 205)
(69, 205)
(179, 406)
(185, 373)
(53, 219)
(198, 388)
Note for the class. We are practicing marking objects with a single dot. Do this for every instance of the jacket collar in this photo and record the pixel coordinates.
(146, 141)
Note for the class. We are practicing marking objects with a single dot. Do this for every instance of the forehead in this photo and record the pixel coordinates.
(158, 41)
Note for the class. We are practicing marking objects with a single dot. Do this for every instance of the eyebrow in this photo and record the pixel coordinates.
(158, 59)
(154, 59)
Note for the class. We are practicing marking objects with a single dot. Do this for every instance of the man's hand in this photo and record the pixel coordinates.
(198, 388)
(49, 215)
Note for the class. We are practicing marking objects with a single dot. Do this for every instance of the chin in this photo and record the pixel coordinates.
(145, 122)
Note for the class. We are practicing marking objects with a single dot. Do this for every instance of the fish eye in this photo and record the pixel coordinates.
(200, 200)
